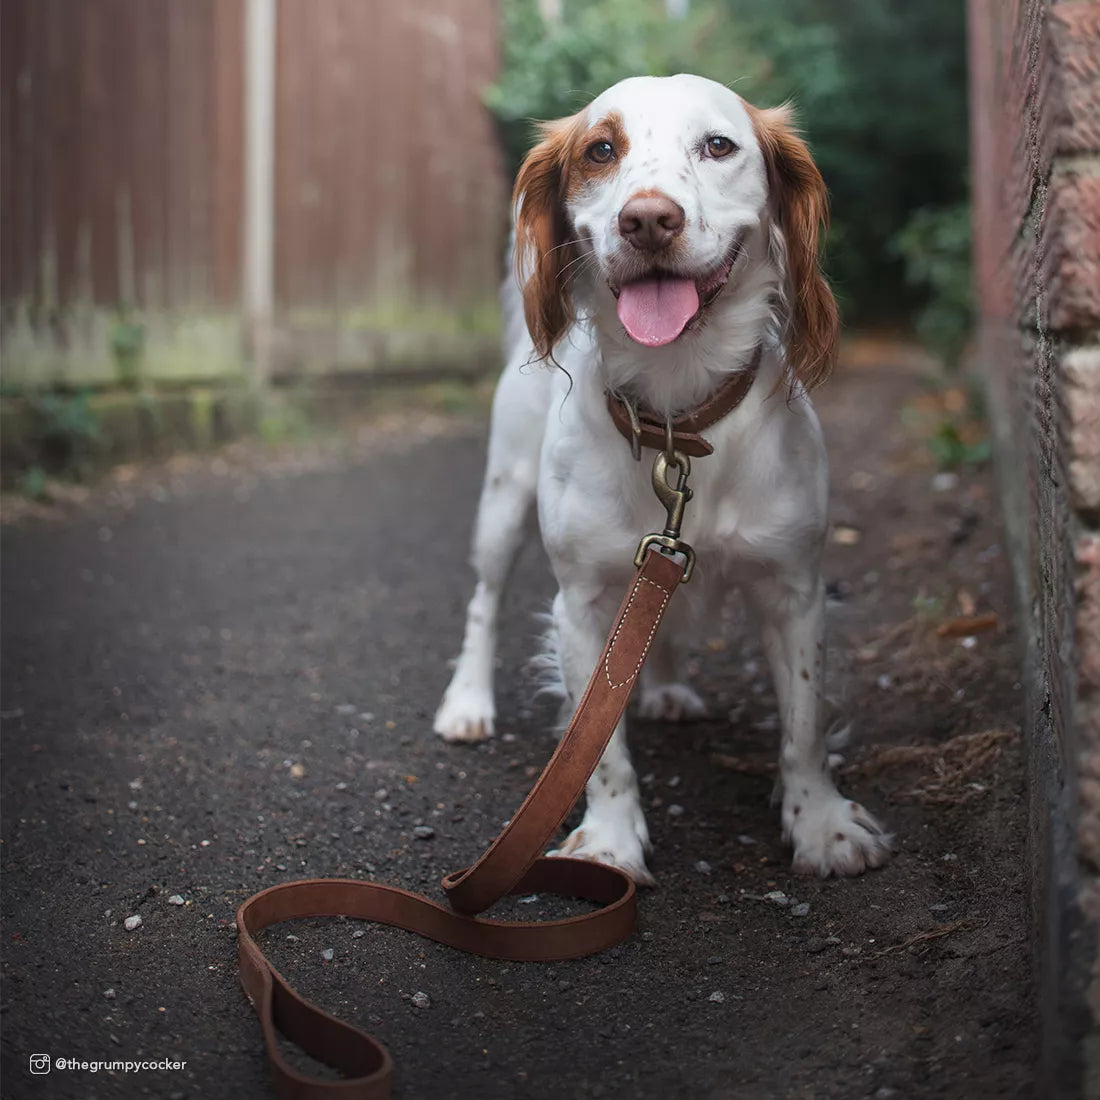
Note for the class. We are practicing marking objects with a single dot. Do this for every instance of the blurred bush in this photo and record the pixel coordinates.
(880, 92)
(935, 246)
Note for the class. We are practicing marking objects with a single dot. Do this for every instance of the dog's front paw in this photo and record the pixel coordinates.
(466, 714)
(832, 835)
(620, 843)
(671, 703)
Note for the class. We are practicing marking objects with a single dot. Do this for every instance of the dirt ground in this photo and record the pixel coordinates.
(219, 674)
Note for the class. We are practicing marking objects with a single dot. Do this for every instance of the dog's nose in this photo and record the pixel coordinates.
(649, 222)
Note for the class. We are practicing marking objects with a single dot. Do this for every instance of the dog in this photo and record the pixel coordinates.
(666, 243)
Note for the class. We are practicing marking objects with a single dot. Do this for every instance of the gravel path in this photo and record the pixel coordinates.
(219, 674)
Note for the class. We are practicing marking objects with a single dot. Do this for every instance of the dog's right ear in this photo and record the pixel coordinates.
(543, 245)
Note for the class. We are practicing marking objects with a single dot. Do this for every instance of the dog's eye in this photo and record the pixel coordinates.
(718, 146)
(600, 152)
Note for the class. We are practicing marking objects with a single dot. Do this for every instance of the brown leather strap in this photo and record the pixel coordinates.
(687, 426)
(513, 864)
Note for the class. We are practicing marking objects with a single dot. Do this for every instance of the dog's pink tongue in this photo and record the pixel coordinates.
(654, 311)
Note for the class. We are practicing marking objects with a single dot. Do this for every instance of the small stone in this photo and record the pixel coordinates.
(717, 997)
(358, 934)
(945, 482)
(381, 794)
(110, 994)
(130, 923)
(674, 781)
(423, 832)
(940, 907)
(884, 683)
(802, 909)
(291, 938)
(421, 1000)
(176, 899)
(204, 843)
(346, 708)
(341, 786)
(746, 840)
(327, 954)
(675, 810)
(297, 771)
(777, 897)
(723, 899)
(703, 867)
(816, 945)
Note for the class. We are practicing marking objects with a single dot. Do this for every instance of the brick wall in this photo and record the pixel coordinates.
(1035, 163)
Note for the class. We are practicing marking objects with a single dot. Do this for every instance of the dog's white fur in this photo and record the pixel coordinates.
(758, 517)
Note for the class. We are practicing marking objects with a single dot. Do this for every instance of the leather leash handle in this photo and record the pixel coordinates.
(513, 864)
(563, 779)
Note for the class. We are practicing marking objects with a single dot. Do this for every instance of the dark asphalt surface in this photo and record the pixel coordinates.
(226, 680)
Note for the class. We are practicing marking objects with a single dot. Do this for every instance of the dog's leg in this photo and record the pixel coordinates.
(664, 694)
(613, 829)
(467, 711)
(830, 834)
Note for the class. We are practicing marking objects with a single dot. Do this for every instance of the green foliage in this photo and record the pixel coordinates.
(127, 347)
(66, 428)
(879, 88)
(33, 483)
(953, 452)
(935, 245)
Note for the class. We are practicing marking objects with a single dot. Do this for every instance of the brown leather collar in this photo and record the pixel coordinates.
(687, 426)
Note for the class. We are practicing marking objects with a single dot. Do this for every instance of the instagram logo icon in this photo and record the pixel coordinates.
(40, 1063)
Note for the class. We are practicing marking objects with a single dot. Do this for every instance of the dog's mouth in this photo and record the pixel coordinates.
(658, 307)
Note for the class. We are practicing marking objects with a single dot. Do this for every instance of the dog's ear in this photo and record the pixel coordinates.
(800, 207)
(543, 246)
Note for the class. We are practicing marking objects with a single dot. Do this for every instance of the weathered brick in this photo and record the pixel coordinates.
(1035, 111)
(1075, 34)
(1080, 395)
(1088, 616)
(1072, 246)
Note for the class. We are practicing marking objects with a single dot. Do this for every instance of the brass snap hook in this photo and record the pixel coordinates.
(674, 495)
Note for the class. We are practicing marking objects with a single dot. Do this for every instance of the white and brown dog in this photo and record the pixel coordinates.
(667, 245)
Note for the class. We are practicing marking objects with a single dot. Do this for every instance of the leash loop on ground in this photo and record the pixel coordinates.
(513, 864)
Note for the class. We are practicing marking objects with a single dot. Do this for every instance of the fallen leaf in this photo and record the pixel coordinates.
(967, 625)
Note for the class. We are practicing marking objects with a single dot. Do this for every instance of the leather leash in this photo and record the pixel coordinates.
(513, 863)
(640, 428)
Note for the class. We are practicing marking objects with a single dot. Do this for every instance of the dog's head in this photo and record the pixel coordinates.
(647, 199)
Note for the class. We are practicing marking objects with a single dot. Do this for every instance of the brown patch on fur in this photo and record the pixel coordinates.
(801, 209)
(648, 193)
(556, 169)
(582, 171)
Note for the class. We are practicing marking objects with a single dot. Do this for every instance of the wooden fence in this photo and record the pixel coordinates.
(123, 204)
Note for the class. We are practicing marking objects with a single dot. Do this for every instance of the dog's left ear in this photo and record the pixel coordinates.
(800, 206)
